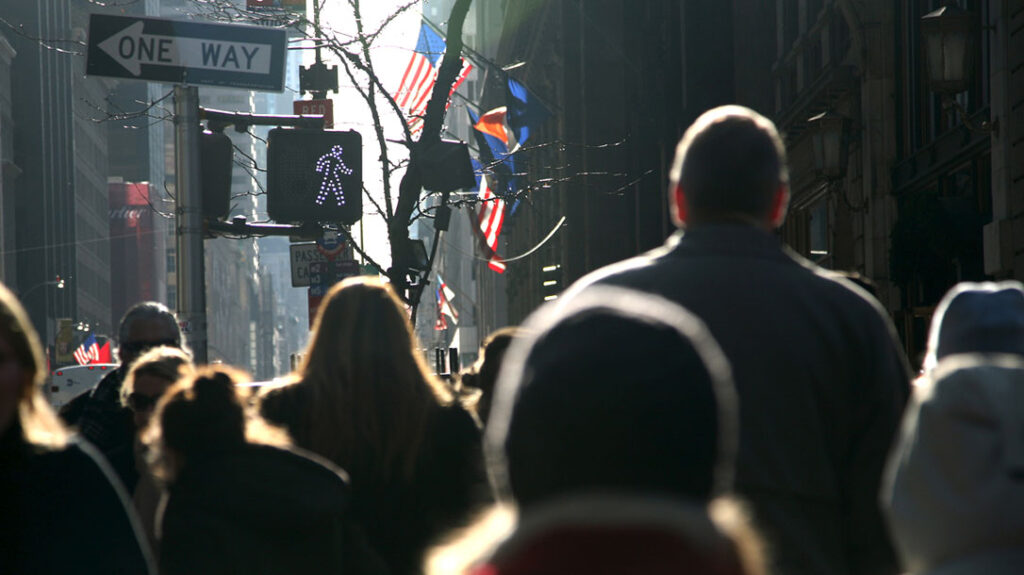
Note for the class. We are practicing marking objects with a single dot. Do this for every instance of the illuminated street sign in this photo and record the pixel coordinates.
(314, 176)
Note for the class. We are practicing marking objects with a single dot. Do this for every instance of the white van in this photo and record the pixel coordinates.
(67, 383)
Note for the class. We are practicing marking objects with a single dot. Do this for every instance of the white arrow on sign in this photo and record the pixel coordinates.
(132, 48)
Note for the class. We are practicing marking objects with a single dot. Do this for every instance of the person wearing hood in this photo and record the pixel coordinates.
(954, 484)
(612, 437)
(238, 499)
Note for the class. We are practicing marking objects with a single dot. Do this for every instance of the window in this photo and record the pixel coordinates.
(818, 232)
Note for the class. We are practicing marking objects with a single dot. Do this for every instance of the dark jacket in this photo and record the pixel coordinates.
(821, 379)
(101, 419)
(401, 519)
(255, 510)
(61, 512)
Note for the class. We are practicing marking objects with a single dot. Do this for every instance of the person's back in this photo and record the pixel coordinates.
(255, 509)
(819, 373)
(236, 504)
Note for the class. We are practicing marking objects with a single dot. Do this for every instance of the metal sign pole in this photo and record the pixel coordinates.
(191, 282)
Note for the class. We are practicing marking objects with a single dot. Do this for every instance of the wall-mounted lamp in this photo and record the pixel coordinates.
(830, 141)
(950, 44)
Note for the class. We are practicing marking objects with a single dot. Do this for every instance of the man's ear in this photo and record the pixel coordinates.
(780, 205)
(678, 207)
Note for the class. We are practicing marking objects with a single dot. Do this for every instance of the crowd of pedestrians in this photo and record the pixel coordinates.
(719, 406)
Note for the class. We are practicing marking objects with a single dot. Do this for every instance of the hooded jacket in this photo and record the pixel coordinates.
(954, 489)
(256, 509)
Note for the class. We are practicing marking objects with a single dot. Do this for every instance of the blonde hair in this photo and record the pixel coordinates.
(372, 394)
(203, 415)
(39, 424)
(167, 363)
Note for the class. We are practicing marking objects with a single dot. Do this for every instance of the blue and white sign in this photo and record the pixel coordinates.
(179, 52)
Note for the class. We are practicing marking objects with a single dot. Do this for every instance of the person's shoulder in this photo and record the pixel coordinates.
(302, 460)
(454, 421)
(629, 272)
(280, 400)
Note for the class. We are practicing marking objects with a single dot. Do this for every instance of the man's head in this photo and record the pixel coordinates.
(730, 166)
(144, 326)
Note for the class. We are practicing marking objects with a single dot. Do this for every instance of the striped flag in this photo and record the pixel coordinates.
(445, 295)
(88, 352)
(421, 74)
(492, 216)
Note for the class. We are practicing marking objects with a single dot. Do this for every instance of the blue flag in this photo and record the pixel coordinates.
(524, 110)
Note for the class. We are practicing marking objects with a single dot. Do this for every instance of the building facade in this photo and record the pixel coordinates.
(55, 169)
(930, 190)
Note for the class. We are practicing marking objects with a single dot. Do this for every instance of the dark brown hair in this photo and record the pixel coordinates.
(203, 416)
(371, 391)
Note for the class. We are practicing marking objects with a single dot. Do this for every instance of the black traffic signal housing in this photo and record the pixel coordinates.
(314, 176)
(215, 163)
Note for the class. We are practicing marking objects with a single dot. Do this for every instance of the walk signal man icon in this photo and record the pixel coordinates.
(314, 176)
(332, 167)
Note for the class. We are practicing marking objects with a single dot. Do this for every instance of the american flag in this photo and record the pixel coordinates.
(445, 295)
(492, 216)
(88, 352)
(421, 74)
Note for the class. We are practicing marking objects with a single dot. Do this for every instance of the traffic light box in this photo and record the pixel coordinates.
(215, 163)
(314, 176)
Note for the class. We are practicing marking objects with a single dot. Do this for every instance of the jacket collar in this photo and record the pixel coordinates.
(730, 240)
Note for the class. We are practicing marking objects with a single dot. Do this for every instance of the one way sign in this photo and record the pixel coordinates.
(180, 52)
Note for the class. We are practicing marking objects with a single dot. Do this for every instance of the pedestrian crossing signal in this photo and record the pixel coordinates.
(314, 176)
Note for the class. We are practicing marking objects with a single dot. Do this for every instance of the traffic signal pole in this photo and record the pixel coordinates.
(191, 281)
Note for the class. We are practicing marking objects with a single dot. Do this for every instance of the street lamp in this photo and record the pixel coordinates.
(950, 37)
(59, 282)
(830, 141)
(950, 45)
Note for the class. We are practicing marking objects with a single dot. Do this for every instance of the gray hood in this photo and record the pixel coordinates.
(954, 486)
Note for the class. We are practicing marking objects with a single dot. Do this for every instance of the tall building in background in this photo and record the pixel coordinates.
(622, 80)
(56, 170)
(138, 237)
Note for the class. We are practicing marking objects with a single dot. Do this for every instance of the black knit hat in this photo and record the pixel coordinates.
(616, 391)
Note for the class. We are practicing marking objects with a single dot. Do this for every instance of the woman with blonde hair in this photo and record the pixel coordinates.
(239, 500)
(148, 378)
(63, 509)
(364, 398)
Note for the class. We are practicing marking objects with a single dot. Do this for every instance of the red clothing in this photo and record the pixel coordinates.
(615, 537)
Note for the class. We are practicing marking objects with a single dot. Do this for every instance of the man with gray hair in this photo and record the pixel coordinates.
(98, 414)
(820, 376)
